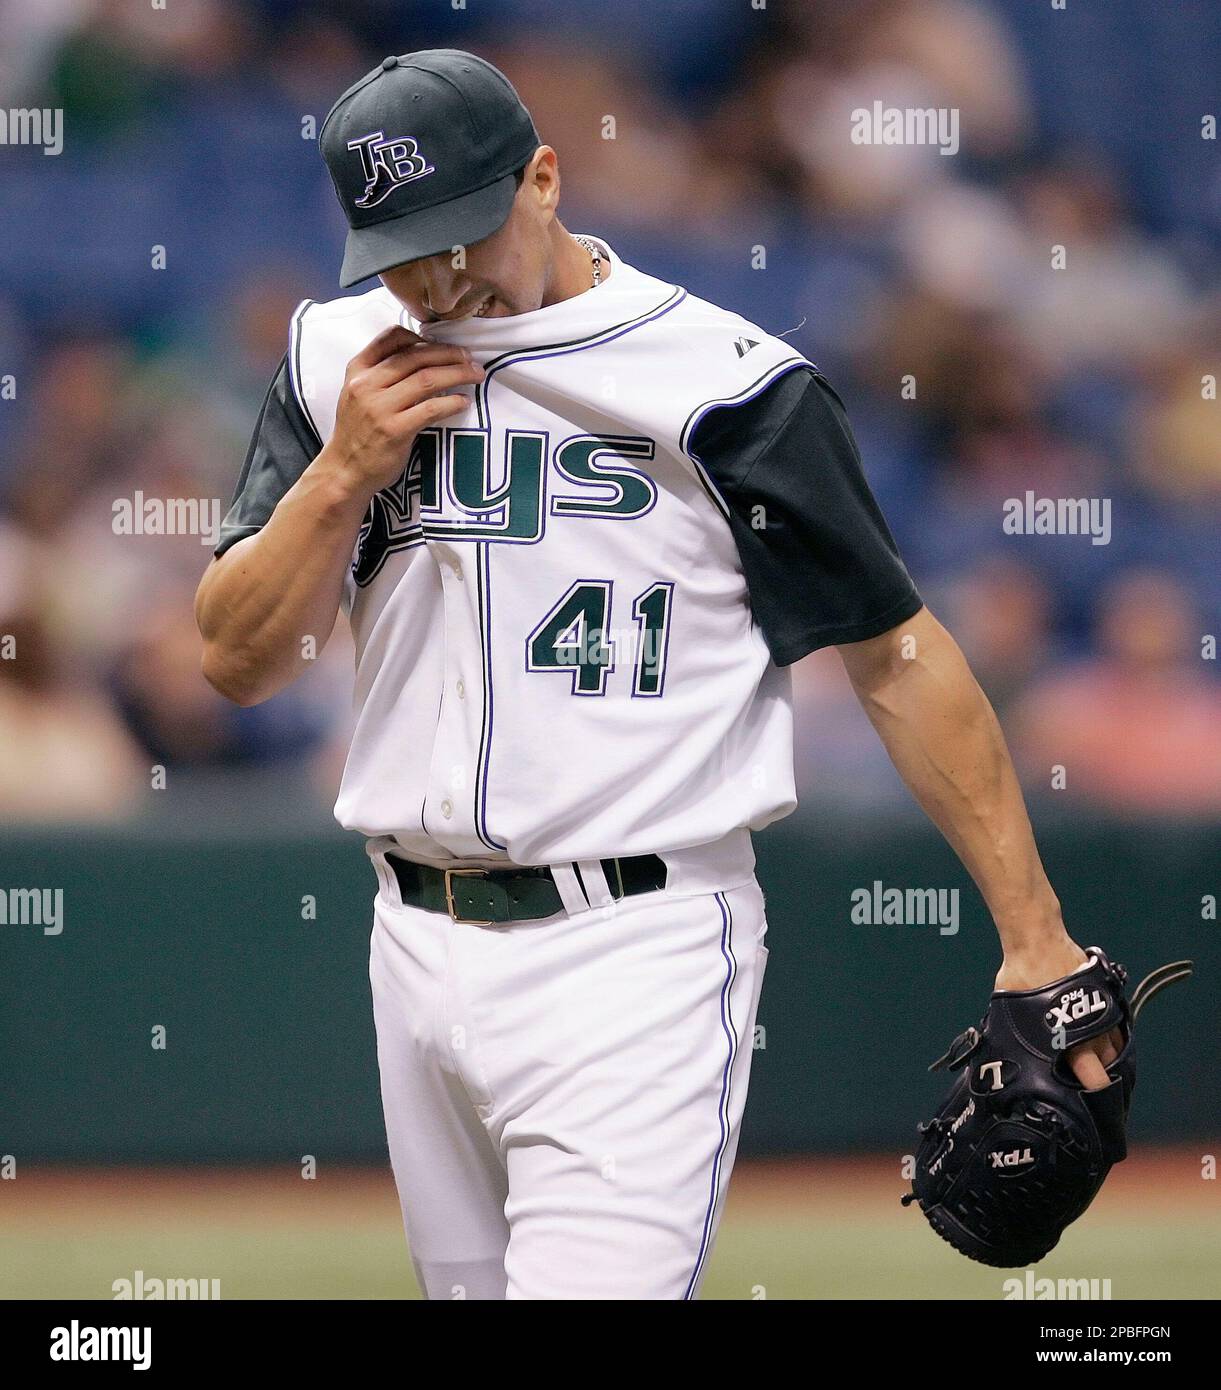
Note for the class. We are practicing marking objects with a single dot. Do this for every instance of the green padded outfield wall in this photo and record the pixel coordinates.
(269, 1047)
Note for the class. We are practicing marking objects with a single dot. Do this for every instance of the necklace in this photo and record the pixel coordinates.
(594, 255)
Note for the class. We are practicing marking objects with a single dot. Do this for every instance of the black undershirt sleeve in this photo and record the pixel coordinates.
(820, 563)
(282, 448)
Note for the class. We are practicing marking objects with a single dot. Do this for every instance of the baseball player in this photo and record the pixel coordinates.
(581, 521)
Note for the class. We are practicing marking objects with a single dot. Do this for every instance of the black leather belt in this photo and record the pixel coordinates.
(484, 897)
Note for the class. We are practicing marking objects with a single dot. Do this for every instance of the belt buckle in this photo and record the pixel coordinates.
(449, 896)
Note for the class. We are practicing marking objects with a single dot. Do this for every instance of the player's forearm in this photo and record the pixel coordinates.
(944, 739)
(260, 602)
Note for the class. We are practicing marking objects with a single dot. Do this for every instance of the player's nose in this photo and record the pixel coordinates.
(443, 287)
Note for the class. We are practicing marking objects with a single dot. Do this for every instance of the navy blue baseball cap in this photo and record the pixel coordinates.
(423, 152)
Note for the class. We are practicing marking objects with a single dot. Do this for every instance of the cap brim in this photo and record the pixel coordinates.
(427, 231)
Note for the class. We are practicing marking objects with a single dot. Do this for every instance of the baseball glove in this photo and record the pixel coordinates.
(1020, 1148)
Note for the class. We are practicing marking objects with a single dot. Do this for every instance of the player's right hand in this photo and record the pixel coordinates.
(395, 387)
(1089, 1060)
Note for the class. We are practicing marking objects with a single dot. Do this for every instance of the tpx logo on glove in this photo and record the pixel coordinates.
(1015, 1158)
(1075, 1006)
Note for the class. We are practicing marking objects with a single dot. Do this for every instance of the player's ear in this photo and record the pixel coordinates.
(542, 179)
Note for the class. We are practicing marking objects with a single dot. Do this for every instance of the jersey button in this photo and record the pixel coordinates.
(447, 809)
(460, 687)
(457, 567)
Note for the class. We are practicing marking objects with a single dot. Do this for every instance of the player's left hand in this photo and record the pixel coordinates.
(1018, 1150)
(1089, 1060)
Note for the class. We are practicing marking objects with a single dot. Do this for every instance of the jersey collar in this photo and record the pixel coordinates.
(624, 294)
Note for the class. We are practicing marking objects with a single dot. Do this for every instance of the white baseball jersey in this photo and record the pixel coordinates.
(560, 607)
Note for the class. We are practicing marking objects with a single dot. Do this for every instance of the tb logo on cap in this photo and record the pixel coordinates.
(388, 164)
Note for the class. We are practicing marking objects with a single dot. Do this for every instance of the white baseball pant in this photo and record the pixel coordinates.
(563, 1097)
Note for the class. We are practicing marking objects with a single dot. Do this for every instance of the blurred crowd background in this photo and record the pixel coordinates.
(1082, 127)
